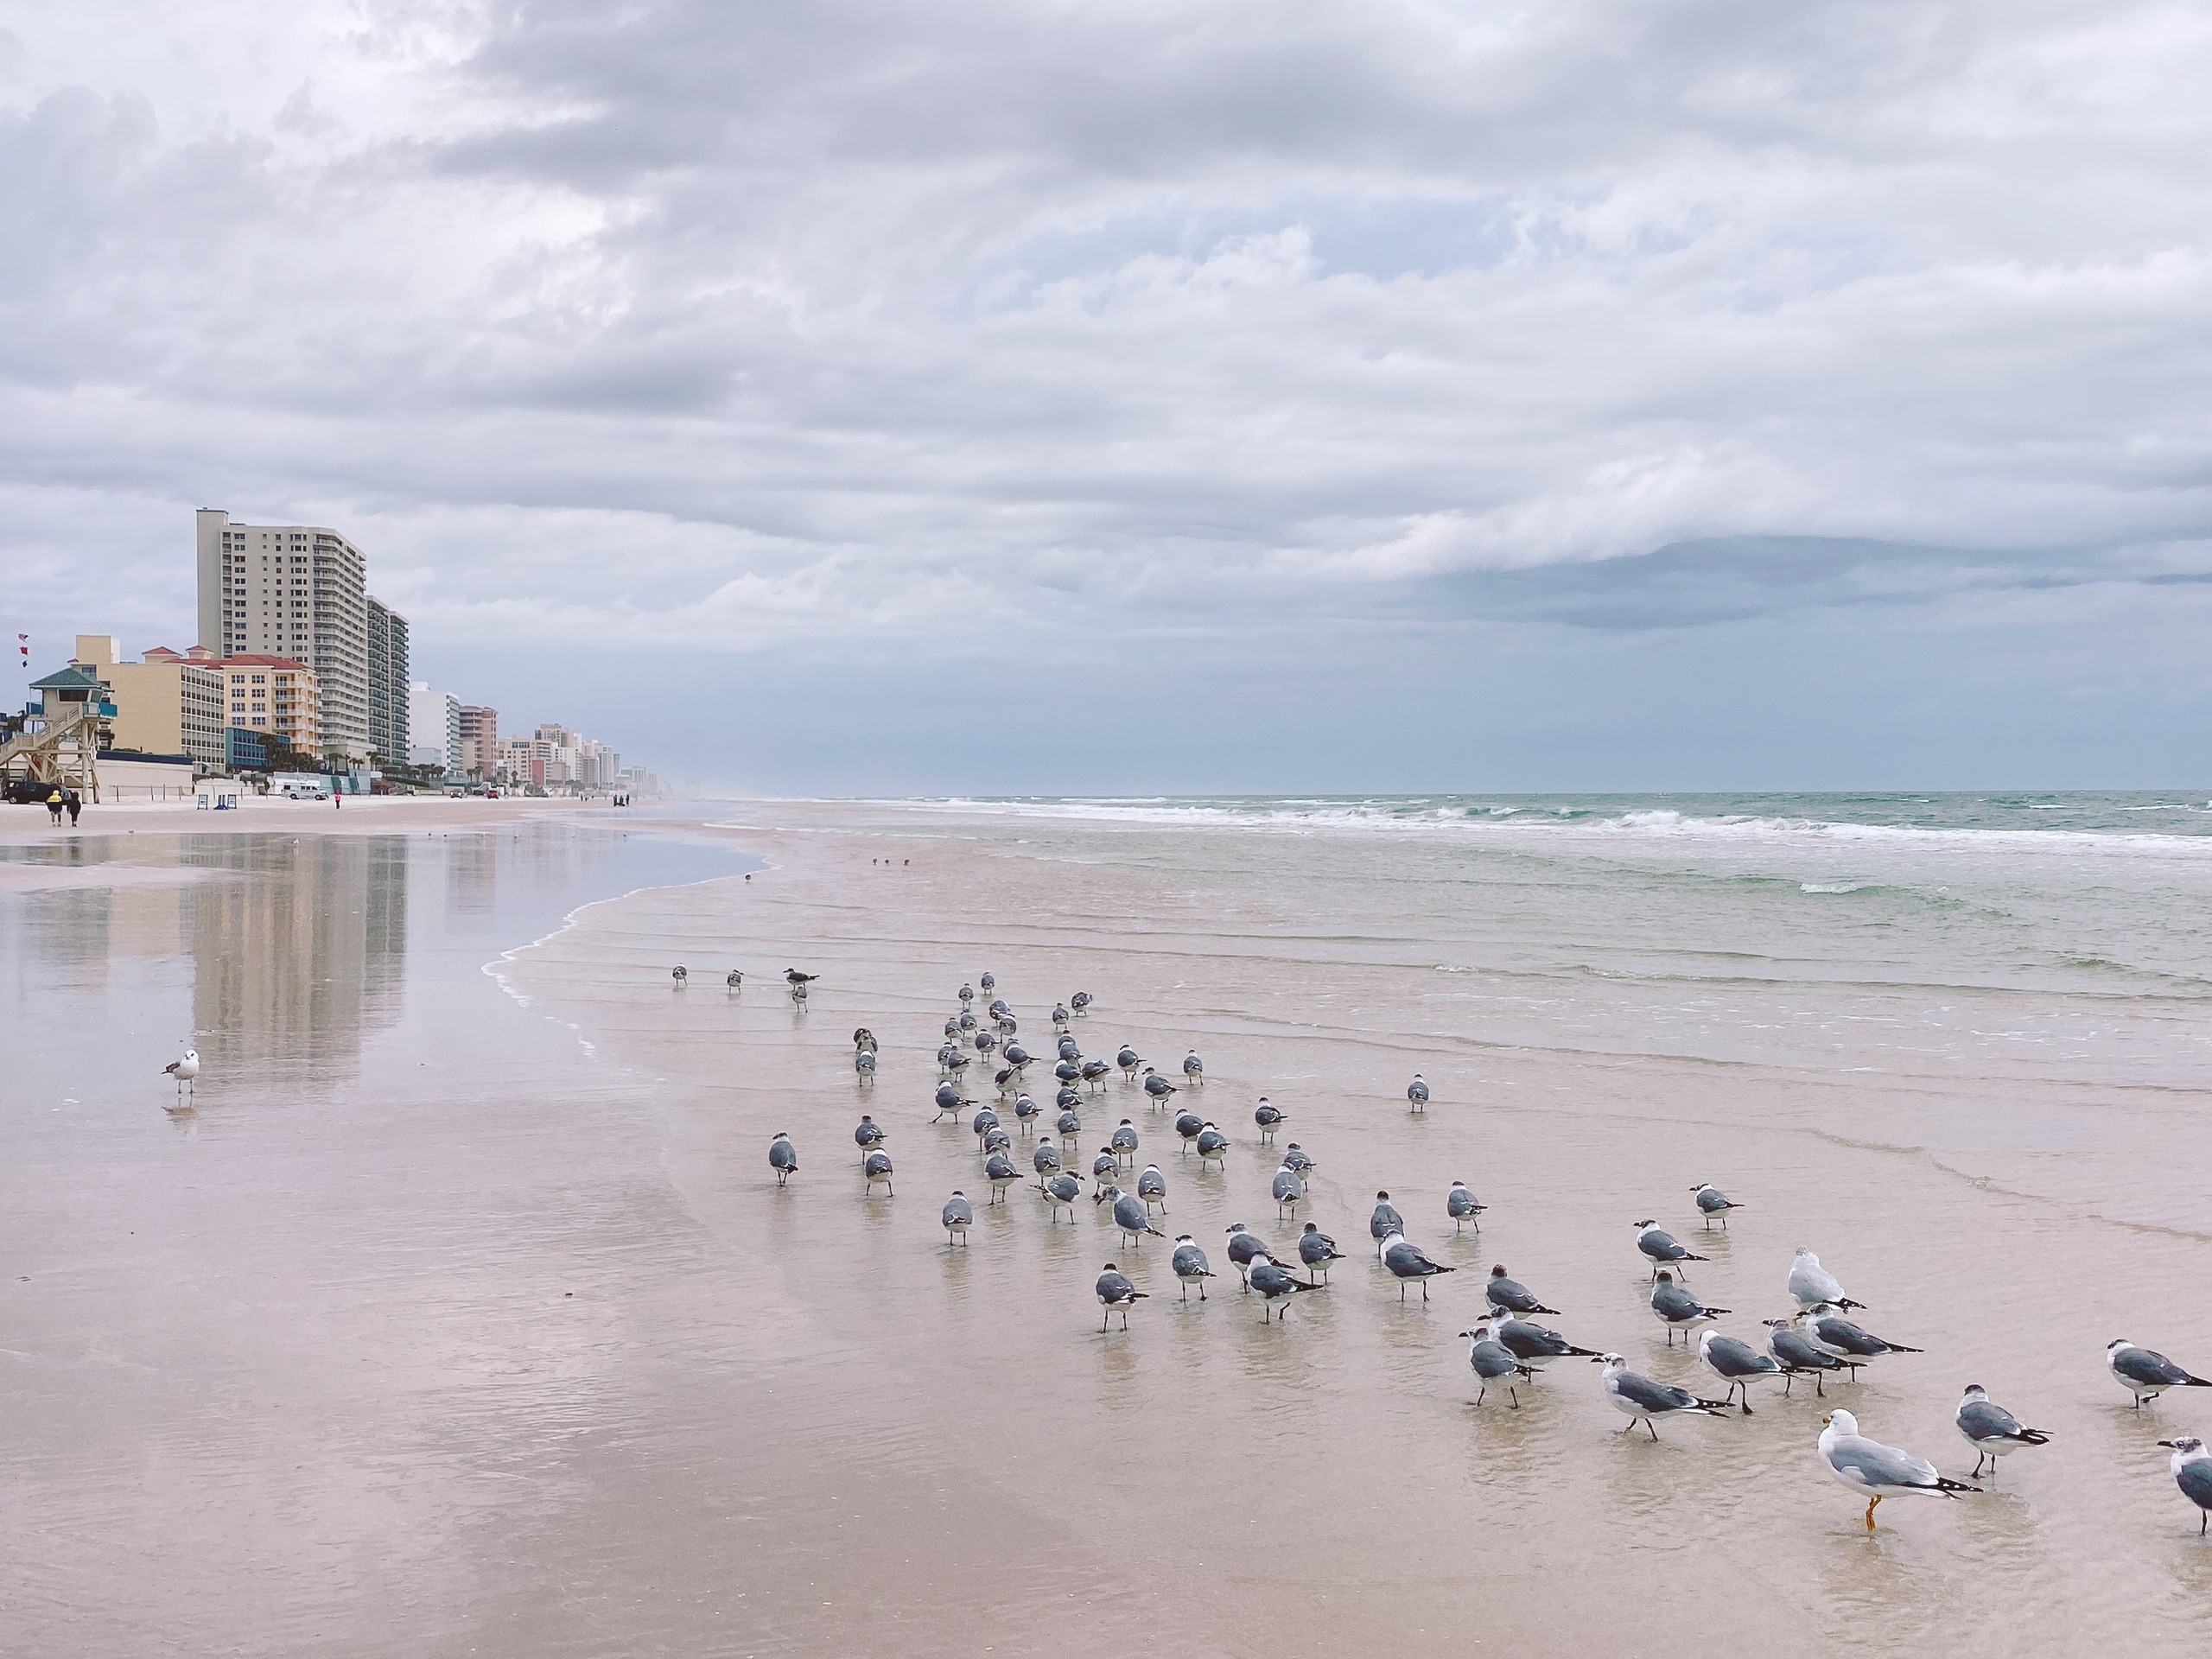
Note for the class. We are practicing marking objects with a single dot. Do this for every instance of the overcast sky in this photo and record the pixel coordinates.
(1090, 398)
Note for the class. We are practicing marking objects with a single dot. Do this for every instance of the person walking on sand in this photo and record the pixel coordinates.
(75, 803)
(53, 807)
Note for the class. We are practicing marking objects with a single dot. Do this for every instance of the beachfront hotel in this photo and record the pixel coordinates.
(299, 592)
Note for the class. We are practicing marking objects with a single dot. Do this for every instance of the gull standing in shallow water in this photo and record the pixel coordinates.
(2146, 1374)
(185, 1071)
(1662, 1249)
(1492, 1361)
(1460, 1205)
(783, 1158)
(1678, 1310)
(1288, 1190)
(1991, 1430)
(1712, 1201)
(1417, 1094)
(1737, 1363)
(1407, 1264)
(1384, 1224)
(1277, 1284)
(1869, 1466)
(875, 1169)
(1532, 1344)
(1798, 1356)
(1244, 1248)
(1115, 1291)
(959, 1215)
(1833, 1334)
(1642, 1399)
(2192, 1471)
(1317, 1249)
(1813, 1284)
(1190, 1266)
(1060, 1192)
(1510, 1295)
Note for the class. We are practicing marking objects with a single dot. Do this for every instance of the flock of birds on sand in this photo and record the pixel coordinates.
(1507, 1348)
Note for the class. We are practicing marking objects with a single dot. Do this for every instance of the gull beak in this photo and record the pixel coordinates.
(2169, 1445)
(1825, 1417)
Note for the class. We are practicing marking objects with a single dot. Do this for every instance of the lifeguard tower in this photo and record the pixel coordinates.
(62, 736)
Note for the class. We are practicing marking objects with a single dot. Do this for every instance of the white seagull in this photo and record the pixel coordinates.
(1880, 1471)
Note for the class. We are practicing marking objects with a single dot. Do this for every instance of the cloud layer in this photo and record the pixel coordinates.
(864, 327)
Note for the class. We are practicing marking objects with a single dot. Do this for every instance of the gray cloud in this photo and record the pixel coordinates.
(761, 330)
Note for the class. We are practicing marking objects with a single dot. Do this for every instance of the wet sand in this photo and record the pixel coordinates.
(487, 1329)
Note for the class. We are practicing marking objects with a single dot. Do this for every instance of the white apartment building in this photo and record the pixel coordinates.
(298, 591)
(434, 726)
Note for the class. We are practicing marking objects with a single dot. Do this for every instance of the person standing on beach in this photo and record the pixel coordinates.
(54, 807)
(75, 802)
(337, 800)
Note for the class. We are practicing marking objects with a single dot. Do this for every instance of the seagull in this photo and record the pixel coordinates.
(1067, 1048)
(967, 995)
(1124, 1140)
(798, 994)
(679, 974)
(783, 1157)
(1129, 1061)
(1798, 1356)
(1830, 1333)
(1001, 1173)
(1266, 1117)
(1069, 1123)
(957, 1216)
(1492, 1361)
(1417, 1094)
(995, 1140)
(1046, 1160)
(984, 1120)
(2146, 1375)
(1152, 1187)
(1244, 1248)
(1059, 1016)
(1407, 1264)
(1884, 1470)
(1187, 1124)
(1015, 1056)
(1103, 1169)
(1297, 1158)
(1711, 1202)
(1737, 1363)
(2192, 1471)
(1060, 1192)
(1384, 1224)
(1024, 1108)
(1288, 1190)
(185, 1071)
(1115, 1291)
(1131, 1216)
(1190, 1266)
(794, 977)
(1194, 1069)
(1678, 1310)
(1277, 1284)
(1460, 1205)
(989, 983)
(864, 1064)
(1661, 1247)
(1080, 1001)
(868, 1133)
(1813, 1284)
(1534, 1345)
(876, 1168)
(1317, 1250)
(735, 978)
(1642, 1399)
(1067, 1100)
(1510, 1295)
(1093, 1073)
(1213, 1144)
(1991, 1430)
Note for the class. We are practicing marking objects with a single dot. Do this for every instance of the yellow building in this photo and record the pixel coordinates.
(166, 703)
(275, 694)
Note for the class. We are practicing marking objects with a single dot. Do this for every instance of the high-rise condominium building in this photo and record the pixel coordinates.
(298, 591)
(388, 681)
(434, 726)
(480, 741)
